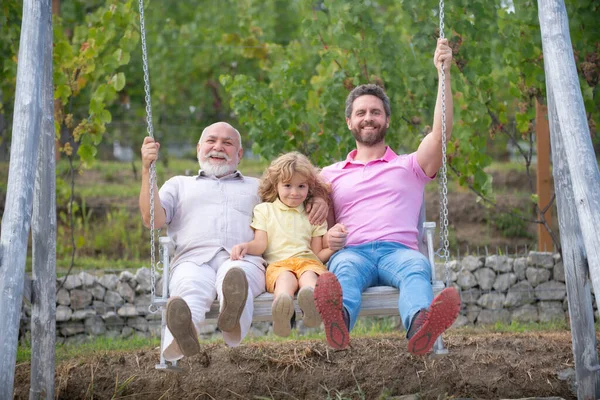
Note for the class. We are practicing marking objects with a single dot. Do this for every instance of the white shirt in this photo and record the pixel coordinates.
(206, 214)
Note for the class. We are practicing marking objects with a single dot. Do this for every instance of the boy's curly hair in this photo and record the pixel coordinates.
(283, 168)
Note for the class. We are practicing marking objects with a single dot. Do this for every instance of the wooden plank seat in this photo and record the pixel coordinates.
(377, 301)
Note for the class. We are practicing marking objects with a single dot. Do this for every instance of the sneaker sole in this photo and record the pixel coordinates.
(442, 314)
(306, 301)
(184, 333)
(328, 300)
(235, 293)
(282, 311)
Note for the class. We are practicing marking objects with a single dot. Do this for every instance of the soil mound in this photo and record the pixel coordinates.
(481, 366)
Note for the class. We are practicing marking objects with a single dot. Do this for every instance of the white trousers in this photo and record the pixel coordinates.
(199, 286)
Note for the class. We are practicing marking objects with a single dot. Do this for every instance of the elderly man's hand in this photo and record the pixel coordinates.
(317, 210)
(149, 152)
(337, 236)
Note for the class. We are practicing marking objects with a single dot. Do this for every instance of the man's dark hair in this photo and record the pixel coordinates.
(371, 89)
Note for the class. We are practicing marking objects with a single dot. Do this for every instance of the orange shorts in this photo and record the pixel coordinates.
(298, 266)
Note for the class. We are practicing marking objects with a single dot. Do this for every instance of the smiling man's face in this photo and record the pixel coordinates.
(368, 122)
(219, 150)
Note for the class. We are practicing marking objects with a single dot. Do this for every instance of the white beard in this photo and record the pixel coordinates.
(215, 170)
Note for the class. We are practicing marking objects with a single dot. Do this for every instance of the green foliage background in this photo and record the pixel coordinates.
(281, 71)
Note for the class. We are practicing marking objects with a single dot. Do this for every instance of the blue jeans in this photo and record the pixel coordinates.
(383, 264)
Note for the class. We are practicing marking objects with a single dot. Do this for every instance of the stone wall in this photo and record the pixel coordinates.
(493, 288)
(501, 288)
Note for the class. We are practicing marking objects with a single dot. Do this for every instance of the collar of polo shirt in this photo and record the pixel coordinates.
(282, 206)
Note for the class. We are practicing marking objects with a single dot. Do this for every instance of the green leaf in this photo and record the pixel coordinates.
(62, 92)
(87, 152)
(96, 106)
(105, 117)
(119, 81)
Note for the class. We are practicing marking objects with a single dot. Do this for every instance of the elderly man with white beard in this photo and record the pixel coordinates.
(206, 215)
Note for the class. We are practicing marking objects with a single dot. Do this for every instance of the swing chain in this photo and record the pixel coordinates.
(443, 251)
(151, 134)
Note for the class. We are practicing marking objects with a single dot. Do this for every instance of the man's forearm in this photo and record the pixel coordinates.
(144, 203)
(437, 119)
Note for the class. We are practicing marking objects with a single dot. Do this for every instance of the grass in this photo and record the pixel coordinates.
(98, 345)
(365, 327)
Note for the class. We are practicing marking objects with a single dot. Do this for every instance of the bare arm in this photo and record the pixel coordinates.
(255, 247)
(149, 155)
(429, 153)
(324, 253)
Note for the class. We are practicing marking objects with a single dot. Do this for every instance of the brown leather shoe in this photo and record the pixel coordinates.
(235, 293)
(179, 321)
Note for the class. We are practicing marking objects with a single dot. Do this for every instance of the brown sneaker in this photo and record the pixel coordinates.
(235, 293)
(328, 300)
(428, 325)
(179, 321)
(282, 311)
(306, 301)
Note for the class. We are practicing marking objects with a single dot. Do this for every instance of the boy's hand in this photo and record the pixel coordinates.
(239, 251)
(336, 237)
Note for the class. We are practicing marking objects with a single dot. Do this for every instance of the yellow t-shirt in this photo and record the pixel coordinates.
(288, 231)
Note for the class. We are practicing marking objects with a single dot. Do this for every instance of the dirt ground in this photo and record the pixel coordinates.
(479, 366)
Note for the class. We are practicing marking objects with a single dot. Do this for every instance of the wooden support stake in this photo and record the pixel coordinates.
(27, 119)
(579, 295)
(542, 136)
(575, 181)
(43, 312)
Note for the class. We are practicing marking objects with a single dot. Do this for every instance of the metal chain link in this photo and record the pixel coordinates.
(444, 251)
(150, 130)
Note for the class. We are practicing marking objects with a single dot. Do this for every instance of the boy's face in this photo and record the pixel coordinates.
(294, 192)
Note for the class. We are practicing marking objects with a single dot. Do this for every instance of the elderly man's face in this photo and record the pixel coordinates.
(219, 152)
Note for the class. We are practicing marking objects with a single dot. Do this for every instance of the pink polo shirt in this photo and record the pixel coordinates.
(380, 200)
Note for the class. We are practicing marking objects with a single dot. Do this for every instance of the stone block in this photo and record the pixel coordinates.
(486, 278)
(80, 299)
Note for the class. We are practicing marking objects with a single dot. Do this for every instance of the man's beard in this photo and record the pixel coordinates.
(216, 170)
(370, 139)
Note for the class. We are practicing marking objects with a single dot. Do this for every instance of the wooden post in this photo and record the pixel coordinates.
(579, 295)
(575, 133)
(43, 318)
(576, 183)
(16, 220)
(542, 136)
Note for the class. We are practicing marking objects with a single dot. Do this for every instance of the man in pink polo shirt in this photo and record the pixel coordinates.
(377, 196)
